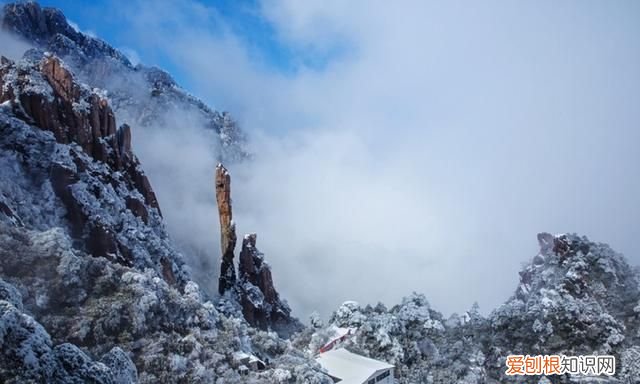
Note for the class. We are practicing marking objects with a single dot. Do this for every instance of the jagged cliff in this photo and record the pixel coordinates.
(159, 113)
(141, 95)
(92, 289)
(87, 163)
(260, 301)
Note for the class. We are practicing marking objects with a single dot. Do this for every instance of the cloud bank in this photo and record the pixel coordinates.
(12, 47)
(426, 153)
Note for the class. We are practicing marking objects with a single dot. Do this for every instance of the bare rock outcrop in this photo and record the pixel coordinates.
(49, 96)
(228, 237)
(44, 93)
(260, 301)
(253, 286)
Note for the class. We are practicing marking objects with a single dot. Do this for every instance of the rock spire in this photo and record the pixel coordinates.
(227, 229)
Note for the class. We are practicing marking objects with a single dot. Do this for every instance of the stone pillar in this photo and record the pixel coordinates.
(227, 229)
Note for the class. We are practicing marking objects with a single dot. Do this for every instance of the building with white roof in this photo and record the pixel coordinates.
(345, 367)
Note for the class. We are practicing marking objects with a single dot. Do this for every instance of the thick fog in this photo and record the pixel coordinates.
(10, 46)
(432, 144)
(413, 146)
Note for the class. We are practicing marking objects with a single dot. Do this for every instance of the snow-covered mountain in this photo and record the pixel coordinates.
(576, 297)
(163, 117)
(94, 289)
(138, 94)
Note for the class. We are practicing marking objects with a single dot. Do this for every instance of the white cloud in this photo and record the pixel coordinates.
(12, 47)
(429, 155)
(74, 25)
(131, 54)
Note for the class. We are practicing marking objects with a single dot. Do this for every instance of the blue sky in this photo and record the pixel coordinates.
(244, 18)
(90, 17)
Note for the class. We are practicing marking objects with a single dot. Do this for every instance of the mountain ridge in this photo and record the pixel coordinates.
(95, 62)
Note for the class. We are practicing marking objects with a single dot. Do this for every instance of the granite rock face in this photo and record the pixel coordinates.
(253, 287)
(99, 160)
(48, 26)
(93, 289)
(155, 108)
(260, 301)
(228, 236)
(142, 95)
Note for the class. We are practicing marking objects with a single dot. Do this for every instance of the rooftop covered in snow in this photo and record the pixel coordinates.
(349, 367)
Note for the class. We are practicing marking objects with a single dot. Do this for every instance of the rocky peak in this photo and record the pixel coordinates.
(160, 79)
(253, 287)
(48, 27)
(575, 297)
(93, 167)
(261, 304)
(48, 95)
(146, 95)
(575, 266)
(34, 22)
(228, 238)
(60, 79)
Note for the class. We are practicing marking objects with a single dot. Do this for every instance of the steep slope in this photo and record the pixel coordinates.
(164, 119)
(30, 356)
(85, 162)
(158, 334)
(252, 288)
(83, 243)
(141, 95)
(93, 289)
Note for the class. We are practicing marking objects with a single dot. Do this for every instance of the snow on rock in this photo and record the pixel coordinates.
(141, 95)
(576, 297)
(28, 354)
(10, 294)
(124, 371)
(57, 179)
(579, 302)
(83, 242)
(107, 309)
(94, 290)
(146, 98)
(260, 301)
